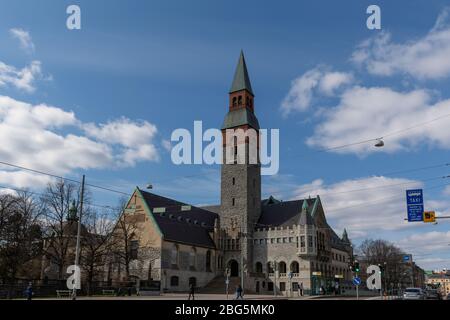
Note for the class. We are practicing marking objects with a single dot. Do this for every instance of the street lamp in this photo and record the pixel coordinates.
(380, 143)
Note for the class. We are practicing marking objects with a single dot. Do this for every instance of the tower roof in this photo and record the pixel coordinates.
(241, 80)
(345, 236)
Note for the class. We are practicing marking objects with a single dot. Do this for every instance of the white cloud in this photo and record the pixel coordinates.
(304, 87)
(429, 249)
(423, 58)
(24, 37)
(47, 138)
(363, 206)
(136, 137)
(367, 113)
(167, 145)
(22, 79)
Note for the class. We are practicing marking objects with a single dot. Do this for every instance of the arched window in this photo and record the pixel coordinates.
(192, 258)
(269, 268)
(259, 267)
(174, 255)
(282, 267)
(234, 101)
(247, 102)
(294, 267)
(240, 100)
(174, 281)
(208, 261)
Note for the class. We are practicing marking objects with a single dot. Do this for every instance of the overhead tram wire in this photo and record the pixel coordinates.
(129, 194)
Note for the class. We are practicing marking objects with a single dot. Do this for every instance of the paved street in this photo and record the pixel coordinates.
(177, 296)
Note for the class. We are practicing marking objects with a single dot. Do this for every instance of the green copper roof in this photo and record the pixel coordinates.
(240, 117)
(241, 79)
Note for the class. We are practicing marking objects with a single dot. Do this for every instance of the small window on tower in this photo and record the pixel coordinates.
(233, 201)
(240, 100)
(234, 101)
(234, 181)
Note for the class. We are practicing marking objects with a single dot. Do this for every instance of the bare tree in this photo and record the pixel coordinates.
(20, 234)
(388, 256)
(97, 244)
(59, 232)
(124, 234)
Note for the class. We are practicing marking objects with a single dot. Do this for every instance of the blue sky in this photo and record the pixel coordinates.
(137, 70)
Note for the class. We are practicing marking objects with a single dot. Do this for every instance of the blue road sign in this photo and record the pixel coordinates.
(356, 281)
(414, 202)
(406, 258)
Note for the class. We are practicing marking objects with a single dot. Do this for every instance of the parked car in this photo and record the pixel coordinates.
(432, 294)
(413, 294)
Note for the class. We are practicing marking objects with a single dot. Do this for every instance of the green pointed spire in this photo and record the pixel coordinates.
(241, 79)
(305, 205)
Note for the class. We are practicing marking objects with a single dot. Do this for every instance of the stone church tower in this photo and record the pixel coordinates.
(240, 178)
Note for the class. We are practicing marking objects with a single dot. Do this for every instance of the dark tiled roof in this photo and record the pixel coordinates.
(336, 242)
(240, 117)
(281, 213)
(190, 227)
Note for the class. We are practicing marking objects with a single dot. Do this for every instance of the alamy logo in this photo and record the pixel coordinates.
(241, 146)
(73, 21)
(74, 280)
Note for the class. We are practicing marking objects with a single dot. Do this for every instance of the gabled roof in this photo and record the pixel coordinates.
(185, 226)
(241, 80)
(277, 213)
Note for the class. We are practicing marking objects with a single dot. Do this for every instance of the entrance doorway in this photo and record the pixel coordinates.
(234, 268)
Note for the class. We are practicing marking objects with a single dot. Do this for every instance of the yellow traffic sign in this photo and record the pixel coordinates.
(429, 216)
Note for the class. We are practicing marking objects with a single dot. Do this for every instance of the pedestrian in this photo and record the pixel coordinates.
(29, 291)
(191, 292)
(239, 292)
(300, 289)
(336, 288)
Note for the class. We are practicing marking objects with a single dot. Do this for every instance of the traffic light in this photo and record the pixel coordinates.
(356, 266)
(429, 216)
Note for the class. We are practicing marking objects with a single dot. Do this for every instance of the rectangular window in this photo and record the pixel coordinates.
(267, 241)
(282, 286)
(134, 246)
(291, 239)
(278, 240)
(302, 242)
(255, 241)
(261, 241)
(284, 240)
(272, 240)
(310, 241)
(234, 181)
(233, 201)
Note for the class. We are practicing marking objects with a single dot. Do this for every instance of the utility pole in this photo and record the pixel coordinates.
(77, 248)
